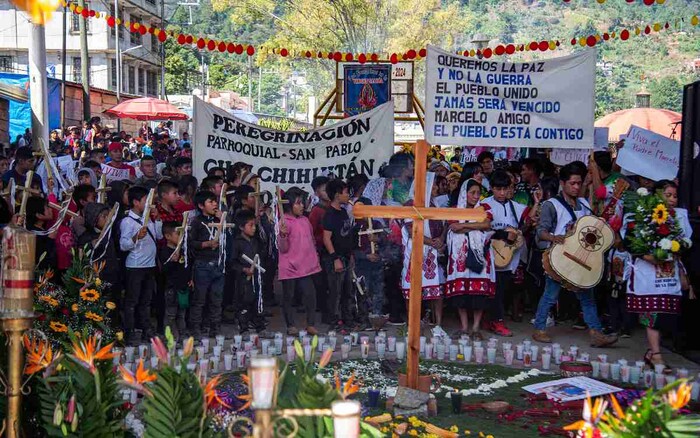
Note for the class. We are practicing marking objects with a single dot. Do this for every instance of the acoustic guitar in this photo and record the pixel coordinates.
(578, 263)
(504, 251)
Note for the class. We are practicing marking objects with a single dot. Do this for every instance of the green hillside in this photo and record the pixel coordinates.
(662, 61)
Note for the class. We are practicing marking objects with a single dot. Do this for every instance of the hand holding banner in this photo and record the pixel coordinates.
(649, 154)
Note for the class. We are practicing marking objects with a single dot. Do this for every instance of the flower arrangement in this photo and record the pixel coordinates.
(80, 304)
(655, 414)
(413, 426)
(652, 227)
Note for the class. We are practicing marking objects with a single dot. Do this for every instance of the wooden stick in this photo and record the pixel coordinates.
(102, 189)
(280, 203)
(59, 208)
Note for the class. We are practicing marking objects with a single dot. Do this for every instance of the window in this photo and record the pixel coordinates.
(113, 73)
(77, 69)
(155, 44)
(152, 84)
(151, 2)
(6, 63)
(142, 82)
(132, 80)
(135, 36)
(75, 21)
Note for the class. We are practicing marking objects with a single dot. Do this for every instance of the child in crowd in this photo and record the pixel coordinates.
(139, 242)
(83, 194)
(39, 214)
(316, 211)
(298, 260)
(339, 240)
(619, 261)
(177, 278)
(506, 222)
(248, 284)
(208, 273)
(187, 186)
(169, 198)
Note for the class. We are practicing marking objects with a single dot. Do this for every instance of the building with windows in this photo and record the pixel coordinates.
(140, 54)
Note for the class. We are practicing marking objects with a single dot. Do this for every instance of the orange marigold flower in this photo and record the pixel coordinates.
(110, 305)
(74, 307)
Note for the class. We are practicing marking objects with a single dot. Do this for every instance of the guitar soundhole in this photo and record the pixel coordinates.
(591, 238)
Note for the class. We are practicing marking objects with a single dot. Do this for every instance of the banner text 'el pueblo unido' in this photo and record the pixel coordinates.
(359, 144)
(481, 102)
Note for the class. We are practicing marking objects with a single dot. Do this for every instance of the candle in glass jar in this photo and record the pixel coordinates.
(519, 351)
(391, 343)
(381, 350)
(364, 349)
(228, 361)
(546, 359)
(527, 358)
(428, 351)
(440, 351)
(479, 354)
(400, 350)
(346, 417)
(491, 355)
(468, 349)
(344, 350)
(509, 354)
(454, 350)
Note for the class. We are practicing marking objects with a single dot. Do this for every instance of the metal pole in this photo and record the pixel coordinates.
(118, 60)
(259, 86)
(84, 64)
(250, 83)
(38, 85)
(204, 80)
(162, 51)
(63, 68)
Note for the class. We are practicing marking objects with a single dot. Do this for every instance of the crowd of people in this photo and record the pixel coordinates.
(222, 264)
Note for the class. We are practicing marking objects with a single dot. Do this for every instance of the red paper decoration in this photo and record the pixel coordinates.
(422, 53)
(111, 21)
(606, 36)
(238, 49)
(411, 54)
(189, 39)
(221, 46)
(394, 58)
(92, 13)
(500, 50)
(181, 39)
(649, 2)
(284, 52)
(591, 41)
(510, 49)
(534, 45)
(162, 36)
(544, 46)
(211, 45)
(647, 30)
(624, 35)
(308, 54)
(374, 57)
(85, 13)
(362, 58)
(250, 50)
(337, 57)
(487, 52)
(142, 30)
(200, 43)
(348, 57)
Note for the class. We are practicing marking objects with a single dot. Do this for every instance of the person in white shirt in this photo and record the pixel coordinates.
(140, 243)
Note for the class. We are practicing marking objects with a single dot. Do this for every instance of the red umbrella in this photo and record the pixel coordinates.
(147, 108)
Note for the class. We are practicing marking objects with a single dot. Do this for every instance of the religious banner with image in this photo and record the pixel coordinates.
(649, 154)
(481, 102)
(359, 144)
(366, 87)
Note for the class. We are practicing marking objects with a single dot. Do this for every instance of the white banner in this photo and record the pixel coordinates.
(562, 157)
(649, 154)
(66, 167)
(481, 102)
(359, 144)
(114, 174)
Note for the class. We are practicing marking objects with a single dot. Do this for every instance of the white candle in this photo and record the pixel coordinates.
(154, 362)
(695, 391)
(214, 364)
(440, 351)
(344, 350)
(534, 350)
(615, 371)
(204, 368)
(364, 339)
(476, 344)
(622, 362)
(240, 359)
(527, 358)
(507, 346)
(321, 343)
(265, 347)
(228, 361)
(670, 378)
(509, 354)
(216, 351)
(491, 354)
(306, 340)
(117, 356)
(479, 354)
(247, 346)
(527, 344)
(492, 344)
(683, 373)
(660, 380)
(307, 352)
(220, 339)
(332, 342)
(332, 333)
(596, 368)
(400, 350)
(143, 351)
(391, 343)
(364, 349)
(355, 337)
(635, 371)
(290, 341)
(381, 350)
(546, 359)
(237, 340)
(134, 397)
(648, 378)
(625, 373)
(346, 418)
(129, 354)
(584, 357)
(428, 351)
(291, 354)
(278, 345)
(302, 334)
(659, 368)
(254, 338)
(605, 370)
(200, 352)
(454, 350)
(519, 351)
(468, 353)
(573, 352)
(205, 344)
(603, 358)
(422, 344)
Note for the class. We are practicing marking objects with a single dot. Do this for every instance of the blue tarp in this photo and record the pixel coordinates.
(20, 114)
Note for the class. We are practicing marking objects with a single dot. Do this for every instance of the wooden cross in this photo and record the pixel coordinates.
(44, 153)
(181, 232)
(257, 194)
(220, 226)
(150, 204)
(60, 207)
(280, 203)
(418, 213)
(8, 193)
(222, 197)
(26, 191)
(102, 189)
(369, 231)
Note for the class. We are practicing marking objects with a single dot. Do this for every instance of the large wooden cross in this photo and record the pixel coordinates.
(419, 212)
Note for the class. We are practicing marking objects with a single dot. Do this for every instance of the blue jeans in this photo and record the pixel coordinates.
(374, 284)
(549, 299)
(208, 288)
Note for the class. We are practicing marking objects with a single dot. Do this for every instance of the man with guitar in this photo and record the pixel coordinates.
(557, 215)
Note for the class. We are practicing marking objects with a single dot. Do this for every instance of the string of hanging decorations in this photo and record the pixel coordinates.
(211, 44)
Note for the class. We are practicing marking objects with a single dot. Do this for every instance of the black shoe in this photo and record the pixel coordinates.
(579, 324)
(625, 334)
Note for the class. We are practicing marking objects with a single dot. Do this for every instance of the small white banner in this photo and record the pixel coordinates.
(481, 102)
(649, 154)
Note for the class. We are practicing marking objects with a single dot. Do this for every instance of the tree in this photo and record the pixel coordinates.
(667, 93)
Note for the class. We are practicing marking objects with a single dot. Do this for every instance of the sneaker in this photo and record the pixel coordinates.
(542, 336)
(551, 322)
(499, 328)
(599, 340)
(579, 324)
(292, 331)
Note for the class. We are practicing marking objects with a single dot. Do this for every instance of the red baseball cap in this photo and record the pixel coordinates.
(114, 146)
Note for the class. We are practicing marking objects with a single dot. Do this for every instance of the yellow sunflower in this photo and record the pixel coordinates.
(74, 307)
(58, 327)
(93, 316)
(90, 295)
(660, 214)
(110, 305)
(675, 246)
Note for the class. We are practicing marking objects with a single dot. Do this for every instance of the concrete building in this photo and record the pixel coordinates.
(141, 66)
